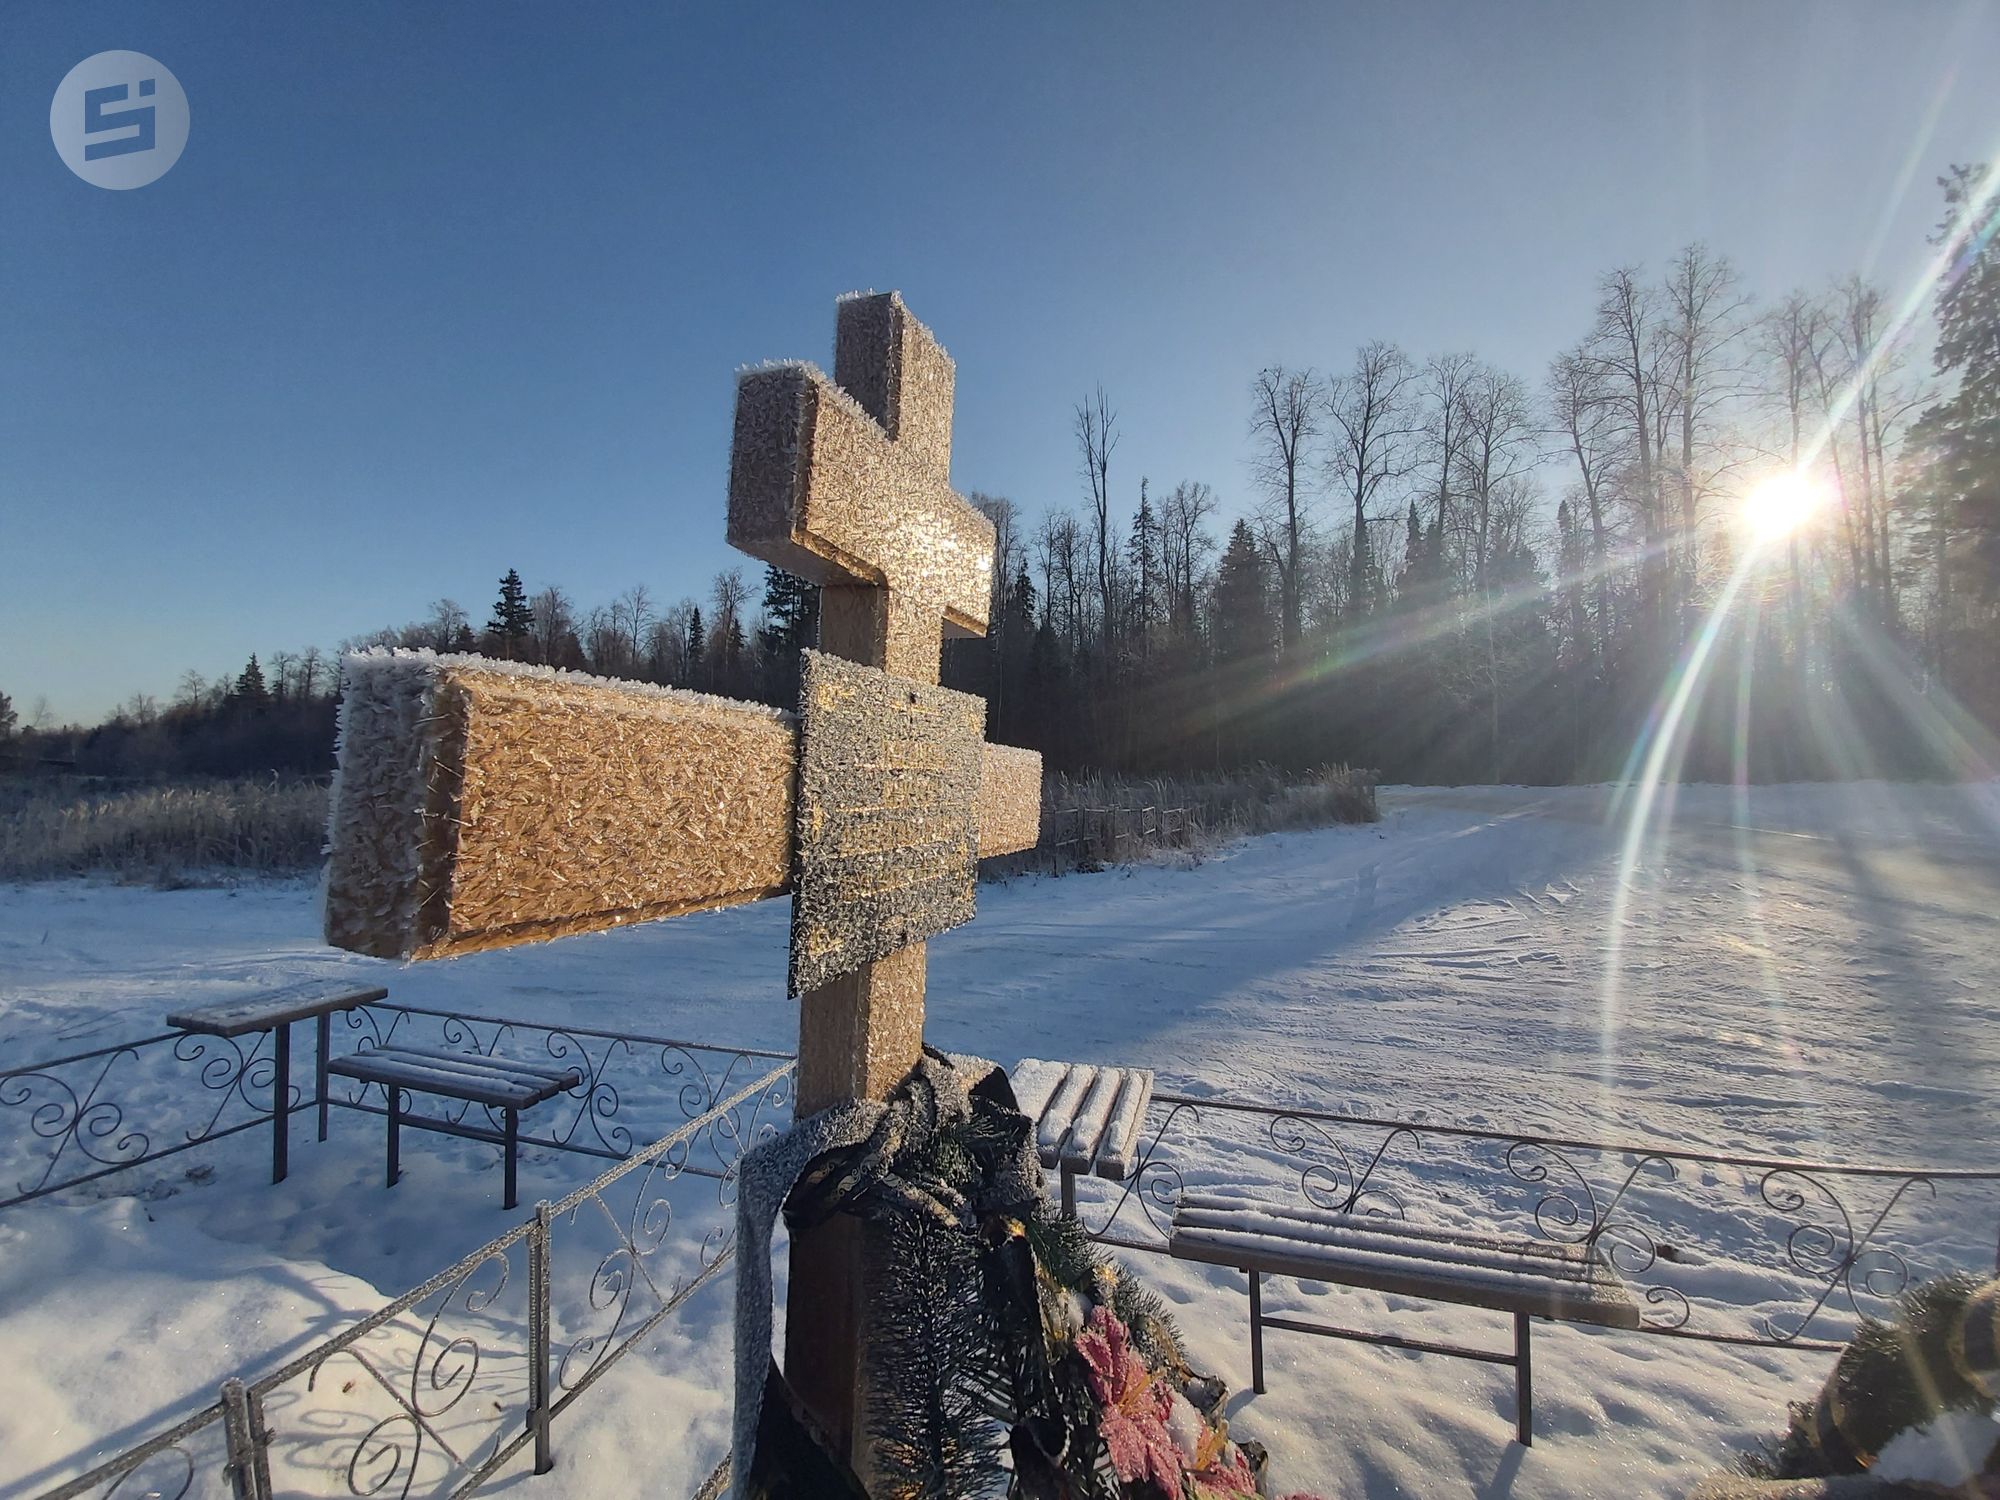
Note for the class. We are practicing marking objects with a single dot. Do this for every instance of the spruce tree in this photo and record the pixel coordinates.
(1142, 551)
(8, 718)
(512, 618)
(1962, 434)
(250, 691)
(697, 641)
(791, 623)
(1244, 628)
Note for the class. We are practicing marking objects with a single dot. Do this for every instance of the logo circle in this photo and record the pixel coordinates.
(119, 120)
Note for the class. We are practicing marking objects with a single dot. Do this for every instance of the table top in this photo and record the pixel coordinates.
(276, 1007)
(1087, 1118)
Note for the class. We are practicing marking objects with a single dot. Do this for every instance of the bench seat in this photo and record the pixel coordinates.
(497, 1082)
(459, 1075)
(1572, 1283)
(1567, 1283)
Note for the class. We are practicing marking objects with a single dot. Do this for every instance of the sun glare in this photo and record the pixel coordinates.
(1781, 504)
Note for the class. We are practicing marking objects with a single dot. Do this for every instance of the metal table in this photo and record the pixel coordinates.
(274, 1011)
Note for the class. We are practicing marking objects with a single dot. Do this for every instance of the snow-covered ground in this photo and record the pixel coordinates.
(1813, 974)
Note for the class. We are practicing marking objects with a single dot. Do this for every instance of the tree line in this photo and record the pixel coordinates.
(1440, 568)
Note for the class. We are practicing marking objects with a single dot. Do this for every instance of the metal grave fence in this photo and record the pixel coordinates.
(440, 1389)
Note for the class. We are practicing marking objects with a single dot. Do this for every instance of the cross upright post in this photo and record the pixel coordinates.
(847, 484)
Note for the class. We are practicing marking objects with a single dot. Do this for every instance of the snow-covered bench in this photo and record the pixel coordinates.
(496, 1082)
(1087, 1119)
(1528, 1278)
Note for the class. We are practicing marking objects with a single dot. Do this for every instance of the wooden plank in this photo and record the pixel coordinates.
(1035, 1083)
(1120, 1151)
(425, 1078)
(1330, 1227)
(276, 1007)
(1092, 1119)
(567, 1075)
(1555, 1280)
(1409, 1276)
(1061, 1111)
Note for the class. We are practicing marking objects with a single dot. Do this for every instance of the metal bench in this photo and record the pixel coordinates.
(1528, 1278)
(1087, 1119)
(496, 1082)
(274, 1011)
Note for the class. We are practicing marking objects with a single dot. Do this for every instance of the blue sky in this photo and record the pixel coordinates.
(441, 289)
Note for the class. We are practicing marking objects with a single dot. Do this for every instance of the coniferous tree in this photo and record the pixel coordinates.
(513, 618)
(1961, 435)
(697, 644)
(791, 623)
(8, 718)
(250, 691)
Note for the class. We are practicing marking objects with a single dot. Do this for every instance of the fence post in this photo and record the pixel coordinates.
(539, 1415)
(243, 1430)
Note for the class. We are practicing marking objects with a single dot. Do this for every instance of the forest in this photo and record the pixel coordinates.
(1433, 567)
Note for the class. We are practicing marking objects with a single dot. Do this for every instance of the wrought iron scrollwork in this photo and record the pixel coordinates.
(1154, 1184)
(1337, 1185)
(92, 1124)
(1833, 1253)
(442, 1373)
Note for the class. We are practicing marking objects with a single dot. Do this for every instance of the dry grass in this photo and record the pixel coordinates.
(170, 835)
(1092, 821)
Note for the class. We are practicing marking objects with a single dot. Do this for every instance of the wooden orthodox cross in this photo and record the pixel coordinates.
(480, 804)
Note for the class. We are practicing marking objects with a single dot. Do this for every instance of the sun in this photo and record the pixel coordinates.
(1781, 505)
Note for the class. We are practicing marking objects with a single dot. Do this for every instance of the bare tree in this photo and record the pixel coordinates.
(1444, 386)
(1373, 423)
(1096, 437)
(1625, 350)
(1705, 319)
(632, 618)
(1580, 420)
(554, 628)
(1495, 446)
(1496, 452)
(1285, 410)
(728, 594)
(1185, 544)
(1060, 544)
(442, 630)
(1794, 332)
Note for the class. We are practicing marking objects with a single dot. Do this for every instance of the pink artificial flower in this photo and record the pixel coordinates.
(1226, 1476)
(1134, 1405)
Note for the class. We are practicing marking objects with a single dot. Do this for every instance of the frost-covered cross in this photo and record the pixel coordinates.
(480, 804)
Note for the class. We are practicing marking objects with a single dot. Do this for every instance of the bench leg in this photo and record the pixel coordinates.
(1069, 1192)
(513, 1145)
(1524, 1383)
(319, 1069)
(395, 1128)
(1257, 1332)
(281, 1098)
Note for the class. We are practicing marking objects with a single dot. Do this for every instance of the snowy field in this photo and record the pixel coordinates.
(1815, 974)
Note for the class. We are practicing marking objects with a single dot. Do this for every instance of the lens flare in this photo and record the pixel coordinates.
(1782, 505)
